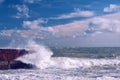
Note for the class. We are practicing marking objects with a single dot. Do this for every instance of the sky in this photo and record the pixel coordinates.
(60, 23)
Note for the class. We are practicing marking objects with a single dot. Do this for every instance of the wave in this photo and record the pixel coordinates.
(64, 62)
(67, 63)
(42, 59)
(40, 55)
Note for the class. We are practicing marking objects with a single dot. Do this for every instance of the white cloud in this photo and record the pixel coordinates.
(103, 25)
(36, 25)
(72, 29)
(6, 33)
(23, 11)
(112, 8)
(98, 25)
(31, 1)
(35, 29)
(94, 26)
(33, 24)
(76, 13)
(75, 33)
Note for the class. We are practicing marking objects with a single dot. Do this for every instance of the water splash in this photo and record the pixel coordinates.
(40, 56)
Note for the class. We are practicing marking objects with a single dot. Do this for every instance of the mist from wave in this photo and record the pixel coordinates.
(39, 55)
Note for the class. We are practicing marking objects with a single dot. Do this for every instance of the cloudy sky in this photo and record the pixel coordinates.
(60, 23)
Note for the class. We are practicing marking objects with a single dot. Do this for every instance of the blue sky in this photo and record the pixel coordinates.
(60, 23)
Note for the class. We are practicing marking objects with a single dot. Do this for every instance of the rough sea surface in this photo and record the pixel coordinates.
(68, 70)
(51, 66)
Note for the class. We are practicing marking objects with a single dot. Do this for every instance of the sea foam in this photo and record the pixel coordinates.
(41, 58)
(39, 55)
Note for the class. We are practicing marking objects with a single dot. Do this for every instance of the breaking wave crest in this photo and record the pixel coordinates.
(64, 62)
(41, 58)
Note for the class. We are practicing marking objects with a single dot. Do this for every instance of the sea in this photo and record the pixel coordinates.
(83, 63)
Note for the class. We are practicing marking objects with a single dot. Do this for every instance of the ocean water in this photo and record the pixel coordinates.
(68, 69)
(67, 64)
